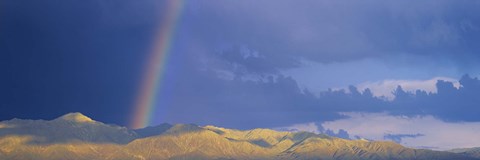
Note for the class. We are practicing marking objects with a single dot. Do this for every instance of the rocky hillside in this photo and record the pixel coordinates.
(75, 136)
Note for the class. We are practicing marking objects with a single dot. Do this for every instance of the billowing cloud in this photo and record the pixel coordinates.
(379, 75)
(417, 131)
(385, 87)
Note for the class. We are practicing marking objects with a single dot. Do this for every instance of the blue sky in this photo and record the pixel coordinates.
(246, 64)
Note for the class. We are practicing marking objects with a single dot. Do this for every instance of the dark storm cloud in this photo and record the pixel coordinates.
(275, 100)
(244, 39)
(449, 103)
(242, 60)
(206, 99)
(328, 31)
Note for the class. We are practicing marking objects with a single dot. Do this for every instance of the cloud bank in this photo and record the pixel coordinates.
(384, 88)
(417, 131)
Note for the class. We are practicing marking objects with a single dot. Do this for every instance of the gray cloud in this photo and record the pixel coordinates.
(202, 96)
(239, 49)
(337, 31)
(398, 137)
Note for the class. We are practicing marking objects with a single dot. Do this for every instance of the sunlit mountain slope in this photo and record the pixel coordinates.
(75, 136)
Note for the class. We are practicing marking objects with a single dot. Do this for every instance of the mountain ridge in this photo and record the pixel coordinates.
(76, 136)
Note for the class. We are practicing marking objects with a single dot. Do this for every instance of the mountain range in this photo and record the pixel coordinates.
(78, 137)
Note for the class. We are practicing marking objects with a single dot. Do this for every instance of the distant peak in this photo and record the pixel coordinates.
(76, 117)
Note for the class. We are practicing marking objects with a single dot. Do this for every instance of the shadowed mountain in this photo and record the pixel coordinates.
(75, 136)
(471, 152)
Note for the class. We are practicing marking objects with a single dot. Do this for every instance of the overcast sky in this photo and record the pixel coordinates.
(307, 65)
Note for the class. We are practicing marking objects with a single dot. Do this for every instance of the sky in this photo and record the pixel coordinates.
(331, 67)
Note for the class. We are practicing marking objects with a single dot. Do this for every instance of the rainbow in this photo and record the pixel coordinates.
(145, 102)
